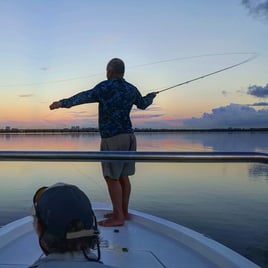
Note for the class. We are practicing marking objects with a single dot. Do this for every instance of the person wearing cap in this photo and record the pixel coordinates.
(115, 97)
(66, 227)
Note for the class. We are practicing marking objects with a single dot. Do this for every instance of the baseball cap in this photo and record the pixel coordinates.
(62, 204)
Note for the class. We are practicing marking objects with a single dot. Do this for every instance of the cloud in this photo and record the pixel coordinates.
(26, 95)
(146, 116)
(231, 116)
(258, 91)
(83, 114)
(158, 123)
(152, 108)
(224, 93)
(150, 113)
(257, 7)
(259, 104)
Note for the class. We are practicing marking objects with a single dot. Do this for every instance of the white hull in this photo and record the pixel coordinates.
(144, 241)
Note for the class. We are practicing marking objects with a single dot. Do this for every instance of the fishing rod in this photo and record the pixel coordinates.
(209, 74)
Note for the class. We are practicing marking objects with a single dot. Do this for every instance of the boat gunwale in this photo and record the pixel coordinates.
(138, 156)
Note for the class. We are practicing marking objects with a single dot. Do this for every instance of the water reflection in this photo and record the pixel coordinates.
(147, 141)
(66, 141)
(207, 141)
(218, 199)
(225, 201)
(19, 180)
(232, 141)
(257, 171)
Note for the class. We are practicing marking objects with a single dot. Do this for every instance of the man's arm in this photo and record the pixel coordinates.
(144, 102)
(87, 96)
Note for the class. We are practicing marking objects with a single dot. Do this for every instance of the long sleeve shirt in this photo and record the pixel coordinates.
(116, 98)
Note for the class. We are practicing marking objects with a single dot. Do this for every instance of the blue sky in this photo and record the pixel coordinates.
(53, 49)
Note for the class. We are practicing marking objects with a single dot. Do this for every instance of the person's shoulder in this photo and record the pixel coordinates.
(130, 87)
(130, 84)
(102, 84)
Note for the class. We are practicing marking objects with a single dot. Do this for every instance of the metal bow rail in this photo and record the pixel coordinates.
(134, 156)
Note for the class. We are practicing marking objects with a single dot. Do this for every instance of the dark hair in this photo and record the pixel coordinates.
(117, 66)
(57, 244)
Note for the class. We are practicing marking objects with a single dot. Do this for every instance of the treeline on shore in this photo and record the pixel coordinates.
(85, 130)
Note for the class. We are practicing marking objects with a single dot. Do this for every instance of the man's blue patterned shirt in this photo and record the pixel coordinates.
(116, 98)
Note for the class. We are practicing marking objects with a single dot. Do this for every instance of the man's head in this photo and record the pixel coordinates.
(65, 219)
(115, 69)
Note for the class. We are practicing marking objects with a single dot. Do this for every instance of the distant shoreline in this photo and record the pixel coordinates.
(94, 130)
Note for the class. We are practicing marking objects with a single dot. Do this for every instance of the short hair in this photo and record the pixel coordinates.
(117, 66)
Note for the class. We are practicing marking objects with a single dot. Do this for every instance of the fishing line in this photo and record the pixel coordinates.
(129, 68)
(100, 183)
(209, 74)
(191, 57)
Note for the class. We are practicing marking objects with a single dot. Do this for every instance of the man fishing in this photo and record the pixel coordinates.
(116, 97)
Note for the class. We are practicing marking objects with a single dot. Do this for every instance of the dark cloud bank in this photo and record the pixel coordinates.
(257, 7)
(231, 116)
(258, 91)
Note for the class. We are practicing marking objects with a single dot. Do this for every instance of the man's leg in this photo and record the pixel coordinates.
(122, 142)
(126, 190)
(116, 195)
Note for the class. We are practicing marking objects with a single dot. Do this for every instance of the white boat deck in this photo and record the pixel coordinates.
(144, 241)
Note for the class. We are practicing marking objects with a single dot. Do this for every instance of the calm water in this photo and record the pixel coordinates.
(226, 201)
(192, 141)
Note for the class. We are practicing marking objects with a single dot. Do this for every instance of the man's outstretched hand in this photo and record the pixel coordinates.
(151, 95)
(55, 105)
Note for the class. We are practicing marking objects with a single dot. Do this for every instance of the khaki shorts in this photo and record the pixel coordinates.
(121, 142)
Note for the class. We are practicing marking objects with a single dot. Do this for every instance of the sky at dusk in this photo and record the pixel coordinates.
(53, 49)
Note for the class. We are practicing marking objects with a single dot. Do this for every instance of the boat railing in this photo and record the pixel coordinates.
(142, 156)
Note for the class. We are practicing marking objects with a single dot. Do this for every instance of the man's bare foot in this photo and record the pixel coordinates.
(111, 223)
(110, 216)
